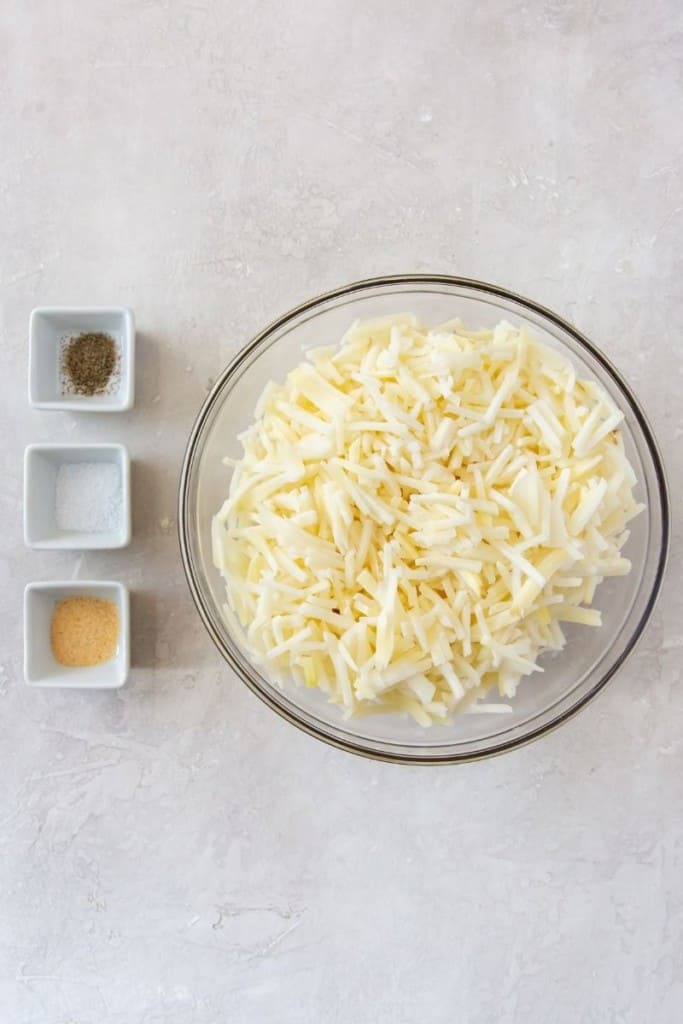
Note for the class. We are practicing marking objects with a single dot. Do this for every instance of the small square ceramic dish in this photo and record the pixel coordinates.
(41, 668)
(50, 329)
(77, 496)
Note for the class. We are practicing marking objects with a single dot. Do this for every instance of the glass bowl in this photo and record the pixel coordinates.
(572, 677)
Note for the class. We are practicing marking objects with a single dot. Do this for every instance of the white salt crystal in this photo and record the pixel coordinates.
(88, 497)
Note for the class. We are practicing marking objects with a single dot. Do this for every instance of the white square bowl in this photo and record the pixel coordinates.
(48, 326)
(40, 666)
(41, 465)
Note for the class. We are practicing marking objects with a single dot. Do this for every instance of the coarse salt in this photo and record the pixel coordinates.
(88, 497)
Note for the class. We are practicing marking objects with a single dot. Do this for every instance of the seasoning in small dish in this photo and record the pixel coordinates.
(84, 631)
(88, 497)
(89, 364)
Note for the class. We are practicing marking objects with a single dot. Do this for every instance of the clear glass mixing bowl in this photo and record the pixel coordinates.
(571, 678)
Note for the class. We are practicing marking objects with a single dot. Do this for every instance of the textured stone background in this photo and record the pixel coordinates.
(174, 852)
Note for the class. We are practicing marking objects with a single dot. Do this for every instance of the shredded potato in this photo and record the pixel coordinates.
(417, 512)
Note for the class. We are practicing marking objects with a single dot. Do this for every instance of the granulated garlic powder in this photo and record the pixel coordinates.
(84, 631)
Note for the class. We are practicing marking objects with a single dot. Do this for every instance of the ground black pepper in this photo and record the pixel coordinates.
(89, 362)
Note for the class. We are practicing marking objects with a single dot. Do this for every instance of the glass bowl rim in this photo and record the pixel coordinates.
(486, 288)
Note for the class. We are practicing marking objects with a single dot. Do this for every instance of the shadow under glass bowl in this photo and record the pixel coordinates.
(571, 677)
